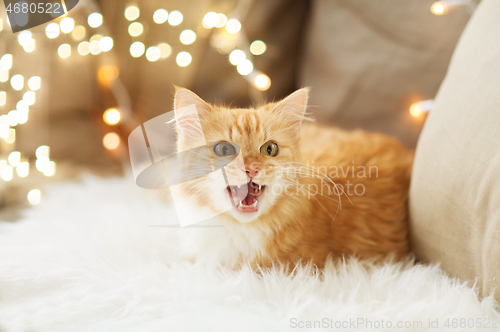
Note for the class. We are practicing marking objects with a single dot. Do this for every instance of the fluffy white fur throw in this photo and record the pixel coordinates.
(87, 260)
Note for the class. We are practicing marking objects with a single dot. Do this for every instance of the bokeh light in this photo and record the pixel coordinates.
(183, 59)
(64, 50)
(17, 82)
(165, 50)
(111, 116)
(137, 49)
(236, 57)
(52, 30)
(222, 20)
(84, 48)
(245, 67)
(6, 61)
(187, 37)
(210, 20)
(24, 37)
(175, 18)
(262, 82)
(34, 83)
(94, 20)
(135, 29)
(23, 169)
(160, 16)
(132, 13)
(34, 196)
(437, 8)
(258, 47)
(78, 32)
(67, 24)
(233, 26)
(153, 53)
(111, 141)
(106, 44)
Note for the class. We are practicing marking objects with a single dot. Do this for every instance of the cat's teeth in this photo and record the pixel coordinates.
(259, 186)
(255, 203)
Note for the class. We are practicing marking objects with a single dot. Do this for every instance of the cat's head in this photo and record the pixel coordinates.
(264, 139)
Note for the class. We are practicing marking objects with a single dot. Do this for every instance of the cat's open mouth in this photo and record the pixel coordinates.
(248, 201)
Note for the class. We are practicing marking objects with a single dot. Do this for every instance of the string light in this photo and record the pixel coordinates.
(34, 196)
(111, 141)
(84, 48)
(233, 26)
(23, 169)
(14, 158)
(6, 61)
(17, 82)
(67, 24)
(245, 67)
(183, 59)
(94, 20)
(106, 44)
(132, 13)
(222, 20)
(236, 57)
(165, 50)
(262, 82)
(137, 49)
(258, 47)
(187, 37)
(24, 37)
(52, 30)
(29, 97)
(4, 75)
(153, 53)
(418, 109)
(3, 98)
(78, 32)
(30, 47)
(160, 16)
(64, 50)
(34, 83)
(50, 168)
(135, 29)
(175, 18)
(43, 151)
(111, 116)
(12, 118)
(210, 20)
(11, 137)
(7, 173)
(437, 8)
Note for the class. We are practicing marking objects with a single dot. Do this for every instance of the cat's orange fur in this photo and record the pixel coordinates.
(304, 224)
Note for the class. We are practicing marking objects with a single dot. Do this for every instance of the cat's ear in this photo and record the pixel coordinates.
(292, 108)
(189, 108)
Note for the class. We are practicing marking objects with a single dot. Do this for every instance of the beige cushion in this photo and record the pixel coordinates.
(368, 61)
(455, 190)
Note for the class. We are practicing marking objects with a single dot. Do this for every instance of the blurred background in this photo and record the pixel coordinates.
(72, 90)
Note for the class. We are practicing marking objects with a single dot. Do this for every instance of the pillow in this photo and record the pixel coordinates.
(455, 189)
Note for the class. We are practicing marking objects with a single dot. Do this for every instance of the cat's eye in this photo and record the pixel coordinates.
(269, 149)
(224, 149)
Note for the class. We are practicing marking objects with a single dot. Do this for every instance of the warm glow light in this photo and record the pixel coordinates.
(23, 169)
(165, 50)
(233, 26)
(258, 47)
(132, 13)
(21, 105)
(153, 54)
(175, 18)
(183, 59)
(111, 141)
(42, 164)
(94, 47)
(187, 37)
(67, 24)
(29, 97)
(415, 110)
(418, 109)
(160, 16)
(17, 82)
(30, 47)
(437, 8)
(262, 82)
(4, 129)
(22, 116)
(106, 44)
(94, 20)
(7, 173)
(84, 48)
(34, 83)
(4, 75)
(24, 37)
(34, 196)
(135, 29)
(78, 32)
(245, 67)
(50, 168)
(14, 158)
(107, 74)
(111, 116)
(222, 20)
(137, 49)
(12, 118)
(64, 50)
(6, 61)
(52, 30)
(43, 151)
(95, 37)
(210, 20)
(236, 57)
(3, 98)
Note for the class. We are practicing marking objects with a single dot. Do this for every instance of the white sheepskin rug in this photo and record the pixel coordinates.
(86, 259)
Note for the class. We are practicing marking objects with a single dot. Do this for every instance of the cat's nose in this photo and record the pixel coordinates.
(252, 172)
